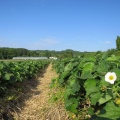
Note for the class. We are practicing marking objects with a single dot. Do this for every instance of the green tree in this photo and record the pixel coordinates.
(118, 43)
(111, 51)
(47, 53)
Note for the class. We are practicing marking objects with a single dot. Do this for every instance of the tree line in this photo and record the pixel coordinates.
(9, 53)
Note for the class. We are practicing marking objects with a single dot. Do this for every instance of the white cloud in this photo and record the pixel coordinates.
(47, 43)
(106, 42)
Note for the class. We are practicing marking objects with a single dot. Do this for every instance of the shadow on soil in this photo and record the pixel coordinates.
(26, 90)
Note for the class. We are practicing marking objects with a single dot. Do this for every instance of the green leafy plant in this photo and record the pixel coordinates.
(12, 73)
(92, 85)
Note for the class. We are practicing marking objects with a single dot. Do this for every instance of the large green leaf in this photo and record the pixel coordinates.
(80, 66)
(88, 66)
(71, 105)
(90, 86)
(65, 74)
(111, 111)
(68, 67)
(1, 66)
(87, 69)
(102, 68)
(7, 76)
(68, 92)
(95, 97)
(104, 99)
(75, 64)
(74, 85)
(86, 74)
(112, 58)
(91, 59)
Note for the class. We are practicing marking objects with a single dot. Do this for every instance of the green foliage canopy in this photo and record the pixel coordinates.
(118, 43)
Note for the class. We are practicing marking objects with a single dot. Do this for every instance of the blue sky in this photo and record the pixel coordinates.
(82, 25)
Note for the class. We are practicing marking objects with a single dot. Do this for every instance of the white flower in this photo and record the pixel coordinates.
(110, 77)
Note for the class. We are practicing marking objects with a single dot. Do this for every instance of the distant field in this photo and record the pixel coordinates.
(11, 60)
(7, 60)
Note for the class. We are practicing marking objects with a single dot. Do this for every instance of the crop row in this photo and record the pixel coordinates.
(15, 72)
(92, 86)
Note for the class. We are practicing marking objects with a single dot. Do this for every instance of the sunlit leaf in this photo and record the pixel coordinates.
(104, 99)
(90, 86)
(110, 111)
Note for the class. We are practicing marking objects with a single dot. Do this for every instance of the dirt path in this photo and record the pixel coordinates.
(37, 107)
